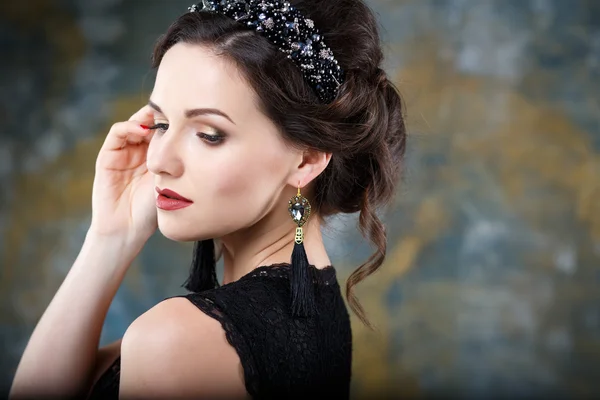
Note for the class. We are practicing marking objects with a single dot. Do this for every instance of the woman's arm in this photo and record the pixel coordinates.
(62, 353)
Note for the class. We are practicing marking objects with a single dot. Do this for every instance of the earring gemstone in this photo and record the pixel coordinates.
(299, 209)
(297, 212)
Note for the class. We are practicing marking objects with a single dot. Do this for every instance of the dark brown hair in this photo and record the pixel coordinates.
(363, 127)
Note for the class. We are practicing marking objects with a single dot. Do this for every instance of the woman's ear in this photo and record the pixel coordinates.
(312, 163)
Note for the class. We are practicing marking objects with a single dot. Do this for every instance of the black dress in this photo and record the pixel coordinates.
(282, 357)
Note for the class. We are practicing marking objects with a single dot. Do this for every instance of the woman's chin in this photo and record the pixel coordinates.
(177, 235)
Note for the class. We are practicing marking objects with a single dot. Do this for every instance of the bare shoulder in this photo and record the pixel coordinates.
(174, 350)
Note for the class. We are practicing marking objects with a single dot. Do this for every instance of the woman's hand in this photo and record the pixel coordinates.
(123, 197)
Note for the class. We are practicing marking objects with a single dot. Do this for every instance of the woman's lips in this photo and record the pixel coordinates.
(170, 200)
(168, 204)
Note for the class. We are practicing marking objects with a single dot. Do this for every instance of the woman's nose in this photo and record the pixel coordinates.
(164, 154)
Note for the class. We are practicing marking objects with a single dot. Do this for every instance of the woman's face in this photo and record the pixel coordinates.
(227, 157)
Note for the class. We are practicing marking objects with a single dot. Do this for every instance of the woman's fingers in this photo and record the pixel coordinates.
(122, 133)
(132, 131)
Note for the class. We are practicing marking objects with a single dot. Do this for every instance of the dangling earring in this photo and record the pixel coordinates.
(301, 279)
(203, 274)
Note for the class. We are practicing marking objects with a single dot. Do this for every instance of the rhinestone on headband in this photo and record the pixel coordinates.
(286, 28)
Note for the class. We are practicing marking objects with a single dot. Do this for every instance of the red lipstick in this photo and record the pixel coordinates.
(169, 200)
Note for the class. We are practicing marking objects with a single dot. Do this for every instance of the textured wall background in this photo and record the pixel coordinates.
(492, 284)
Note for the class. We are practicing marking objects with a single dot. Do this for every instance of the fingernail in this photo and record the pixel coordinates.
(144, 127)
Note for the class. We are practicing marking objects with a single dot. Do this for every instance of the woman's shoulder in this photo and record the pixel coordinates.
(229, 334)
(258, 293)
(261, 297)
(174, 337)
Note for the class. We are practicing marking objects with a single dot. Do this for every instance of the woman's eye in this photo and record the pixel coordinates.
(213, 139)
(160, 127)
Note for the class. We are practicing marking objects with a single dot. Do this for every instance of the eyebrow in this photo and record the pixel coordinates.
(195, 111)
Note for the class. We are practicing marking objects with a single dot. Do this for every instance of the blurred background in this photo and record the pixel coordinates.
(492, 281)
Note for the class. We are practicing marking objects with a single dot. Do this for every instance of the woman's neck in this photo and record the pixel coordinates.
(271, 241)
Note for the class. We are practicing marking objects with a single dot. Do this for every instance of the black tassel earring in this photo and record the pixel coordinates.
(301, 279)
(203, 274)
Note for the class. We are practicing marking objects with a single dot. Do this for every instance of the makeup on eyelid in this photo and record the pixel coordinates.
(214, 138)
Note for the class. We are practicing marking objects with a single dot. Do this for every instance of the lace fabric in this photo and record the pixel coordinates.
(282, 356)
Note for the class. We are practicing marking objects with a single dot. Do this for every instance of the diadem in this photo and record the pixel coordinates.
(291, 32)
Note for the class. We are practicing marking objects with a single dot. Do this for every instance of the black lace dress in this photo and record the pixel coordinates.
(282, 357)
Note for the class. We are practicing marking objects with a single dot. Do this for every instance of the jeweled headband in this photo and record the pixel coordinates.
(293, 34)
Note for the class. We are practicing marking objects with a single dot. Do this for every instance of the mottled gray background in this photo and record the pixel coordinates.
(492, 282)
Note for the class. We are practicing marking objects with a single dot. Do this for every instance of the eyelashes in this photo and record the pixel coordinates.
(161, 127)
(212, 139)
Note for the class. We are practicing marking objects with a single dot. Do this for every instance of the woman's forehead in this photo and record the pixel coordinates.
(191, 76)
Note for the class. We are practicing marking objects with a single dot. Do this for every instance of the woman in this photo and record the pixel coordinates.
(265, 118)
